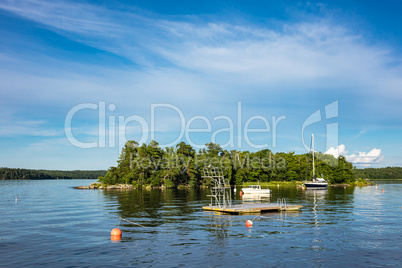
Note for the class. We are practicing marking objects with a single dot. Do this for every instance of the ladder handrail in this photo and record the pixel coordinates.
(281, 204)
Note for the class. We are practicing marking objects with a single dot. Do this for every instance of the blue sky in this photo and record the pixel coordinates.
(78, 78)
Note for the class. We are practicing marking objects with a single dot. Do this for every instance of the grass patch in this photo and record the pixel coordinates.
(274, 183)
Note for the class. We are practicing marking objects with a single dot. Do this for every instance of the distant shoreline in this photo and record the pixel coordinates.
(42, 174)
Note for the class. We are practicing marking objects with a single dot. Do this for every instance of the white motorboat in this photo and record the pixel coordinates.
(255, 189)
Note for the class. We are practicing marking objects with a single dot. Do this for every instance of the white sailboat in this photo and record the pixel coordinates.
(317, 183)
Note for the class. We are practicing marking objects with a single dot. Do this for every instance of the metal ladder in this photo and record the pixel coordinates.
(281, 203)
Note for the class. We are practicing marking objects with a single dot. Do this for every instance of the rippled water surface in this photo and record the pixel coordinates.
(50, 224)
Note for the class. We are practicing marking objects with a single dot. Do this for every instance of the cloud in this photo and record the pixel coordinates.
(68, 16)
(202, 64)
(226, 54)
(361, 158)
(363, 131)
(15, 127)
(40, 155)
(182, 58)
(336, 152)
(300, 50)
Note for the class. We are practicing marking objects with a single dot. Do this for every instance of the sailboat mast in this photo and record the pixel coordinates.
(312, 141)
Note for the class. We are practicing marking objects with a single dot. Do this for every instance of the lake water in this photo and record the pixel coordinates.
(50, 224)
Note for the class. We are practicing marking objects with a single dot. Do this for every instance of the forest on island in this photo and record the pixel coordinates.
(386, 173)
(182, 165)
(33, 174)
(149, 165)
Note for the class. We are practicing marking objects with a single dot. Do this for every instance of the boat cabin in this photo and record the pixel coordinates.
(255, 187)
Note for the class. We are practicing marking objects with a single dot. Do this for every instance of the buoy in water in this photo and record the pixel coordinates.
(383, 190)
(249, 224)
(116, 231)
(115, 234)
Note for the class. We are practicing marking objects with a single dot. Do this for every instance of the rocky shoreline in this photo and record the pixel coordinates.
(100, 186)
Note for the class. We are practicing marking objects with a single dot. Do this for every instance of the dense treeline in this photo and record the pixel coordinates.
(149, 165)
(31, 174)
(389, 173)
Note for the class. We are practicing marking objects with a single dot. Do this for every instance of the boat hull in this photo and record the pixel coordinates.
(315, 185)
(257, 192)
(255, 197)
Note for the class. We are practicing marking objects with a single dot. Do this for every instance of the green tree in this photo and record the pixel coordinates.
(213, 149)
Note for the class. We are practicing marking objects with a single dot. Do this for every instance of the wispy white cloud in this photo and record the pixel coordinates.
(202, 65)
(68, 16)
(18, 127)
(41, 155)
(362, 132)
(303, 50)
(257, 55)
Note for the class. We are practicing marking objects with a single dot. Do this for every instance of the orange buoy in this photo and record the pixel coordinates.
(116, 231)
(249, 224)
(115, 234)
(241, 193)
(383, 190)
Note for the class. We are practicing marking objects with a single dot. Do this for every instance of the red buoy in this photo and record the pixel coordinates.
(249, 224)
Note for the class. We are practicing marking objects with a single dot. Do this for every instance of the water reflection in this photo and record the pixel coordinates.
(316, 194)
(155, 207)
(220, 227)
(325, 209)
(331, 201)
(256, 198)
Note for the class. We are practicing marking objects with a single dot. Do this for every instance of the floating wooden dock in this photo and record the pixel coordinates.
(221, 198)
(253, 208)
